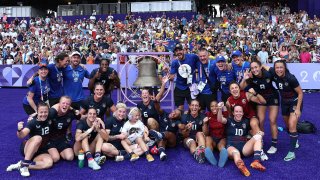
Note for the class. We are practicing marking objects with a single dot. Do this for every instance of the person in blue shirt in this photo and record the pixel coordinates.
(224, 76)
(38, 90)
(239, 66)
(206, 80)
(73, 76)
(182, 91)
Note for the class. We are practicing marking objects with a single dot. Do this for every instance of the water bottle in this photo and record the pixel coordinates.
(81, 159)
(280, 128)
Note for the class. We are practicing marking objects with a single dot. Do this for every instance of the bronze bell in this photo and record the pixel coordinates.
(147, 76)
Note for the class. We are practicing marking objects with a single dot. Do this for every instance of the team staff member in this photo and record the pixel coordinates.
(261, 81)
(105, 75)
(61, 117)
(291, 101)
(206, 80)
(34, 149)
(98, 101)
(237, 129)
(38, 90)
(72, 80)
(224, 76)
(182, 91)
(239, 66)
(90, 135)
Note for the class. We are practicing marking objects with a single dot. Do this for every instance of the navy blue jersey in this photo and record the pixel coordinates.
(148, 111)
(83, 126)
(40, 128)
(225, 78)
(104, 78)
(191, 60)
(55, 77)
(237, 131)
(196, 122)
(72, 82)
(286, 86)
(101, 106)
(60, 124)
(263, 85)
(166, 124)
(115, 126)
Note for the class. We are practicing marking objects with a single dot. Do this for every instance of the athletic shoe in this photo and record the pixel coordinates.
(93, 165)
(24, 171)
(163, 156)
(257, 165)
(149, 158)
(150, 143)
(210, 157)
(290, 156)
(297, 145)
(158, 136)
(119, 158)
(263, 156)
(243, 169)
(272, 150)
(223, 157)
(14, 166)
(134, 157)
(199, 155)
(100, 159)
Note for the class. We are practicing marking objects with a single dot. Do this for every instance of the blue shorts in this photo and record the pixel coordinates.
(271, 101)
(237, 145)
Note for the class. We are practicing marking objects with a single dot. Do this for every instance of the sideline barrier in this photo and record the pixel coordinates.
(308, 75)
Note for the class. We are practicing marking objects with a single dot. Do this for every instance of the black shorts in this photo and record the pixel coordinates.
(216, 140)
(287, 108)
(205, 100)
(28, 109)
(181, 95)
(117, 144)
(43, 149)
(60, 144)
(77, 105)
(271, 101)
(53, 101)
(237, 145)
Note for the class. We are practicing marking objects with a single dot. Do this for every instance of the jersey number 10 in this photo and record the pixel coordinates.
(239, 132)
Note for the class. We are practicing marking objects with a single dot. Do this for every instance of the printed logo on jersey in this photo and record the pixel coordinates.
(268, 80)
(114, 125)
(38, 126)
(149, 106)
(165, 120)
(104, 105)
(244, 126)
(200, 123)
(286, 83)
(233, 125)
(244, 101)
(69, 120)
(75, 75)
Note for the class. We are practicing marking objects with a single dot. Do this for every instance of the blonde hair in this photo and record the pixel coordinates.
(119, 106)
(133, 110)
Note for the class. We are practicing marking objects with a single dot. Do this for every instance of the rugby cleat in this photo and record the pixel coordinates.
(100, 159)
(297, 145)
(24, 171)
(134, 157)
(272, 150)
(158, 136)
(93, 165)
(119, 158)
(263, 156)
(243, 169)
(149, 158)
(14, 166)
(290, 156)
(257, 165)
(163, 156)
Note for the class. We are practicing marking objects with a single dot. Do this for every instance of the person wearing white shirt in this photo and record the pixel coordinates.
(263, 55)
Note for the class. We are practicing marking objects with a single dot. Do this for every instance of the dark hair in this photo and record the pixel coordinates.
(192, 100)
(42, 104)
(284, 64)
(98, 84)
(234, 82)
(107, 60)
(61, 57)
(256, 61)
(66, 97)
(232, 109)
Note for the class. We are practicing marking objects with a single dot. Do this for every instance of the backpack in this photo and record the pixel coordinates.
(306, 127)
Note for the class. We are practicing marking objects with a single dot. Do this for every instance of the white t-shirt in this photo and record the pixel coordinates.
(263, 56)
(133, 130)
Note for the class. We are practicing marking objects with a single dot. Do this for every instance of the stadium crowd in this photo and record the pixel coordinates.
(248, 37)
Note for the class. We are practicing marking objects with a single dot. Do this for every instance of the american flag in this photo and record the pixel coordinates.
(168, 43)
(318, 58)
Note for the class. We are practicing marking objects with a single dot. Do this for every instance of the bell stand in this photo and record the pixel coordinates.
(124, 96)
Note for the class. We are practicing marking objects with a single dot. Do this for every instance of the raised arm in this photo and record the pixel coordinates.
(253, 96)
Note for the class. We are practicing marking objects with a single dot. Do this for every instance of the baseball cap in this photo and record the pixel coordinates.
(236, 53)
(75, 53)
(178, 46)
(220, 58)
(43, 64)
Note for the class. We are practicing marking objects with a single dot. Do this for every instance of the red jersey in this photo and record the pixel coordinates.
(216, 129)
(242, 101)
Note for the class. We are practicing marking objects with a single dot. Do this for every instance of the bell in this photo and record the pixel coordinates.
(147, 76)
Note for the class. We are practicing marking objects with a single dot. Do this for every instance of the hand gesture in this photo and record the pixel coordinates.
(97, 75)
(247, 74)
(112, 75)
(165, 79)
(252, 91)
(206, 119)
(20, 125)
(220, 104)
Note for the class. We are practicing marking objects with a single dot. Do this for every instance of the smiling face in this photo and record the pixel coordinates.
(194, 107)
(104, 65)
(145, 96)
(180, 54)
(43, 72)
(214, 107)
(64, 104)
(256, 69)
(121, 113)
(221, 65)
(280, 68)
(43, 112)
(238, 113)
(92, 115)
(75, 60)
(175, 114)
(234, 90)
(203, 56)
(237, 60)
(99, 91)
(135, 116)
(63, 63)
